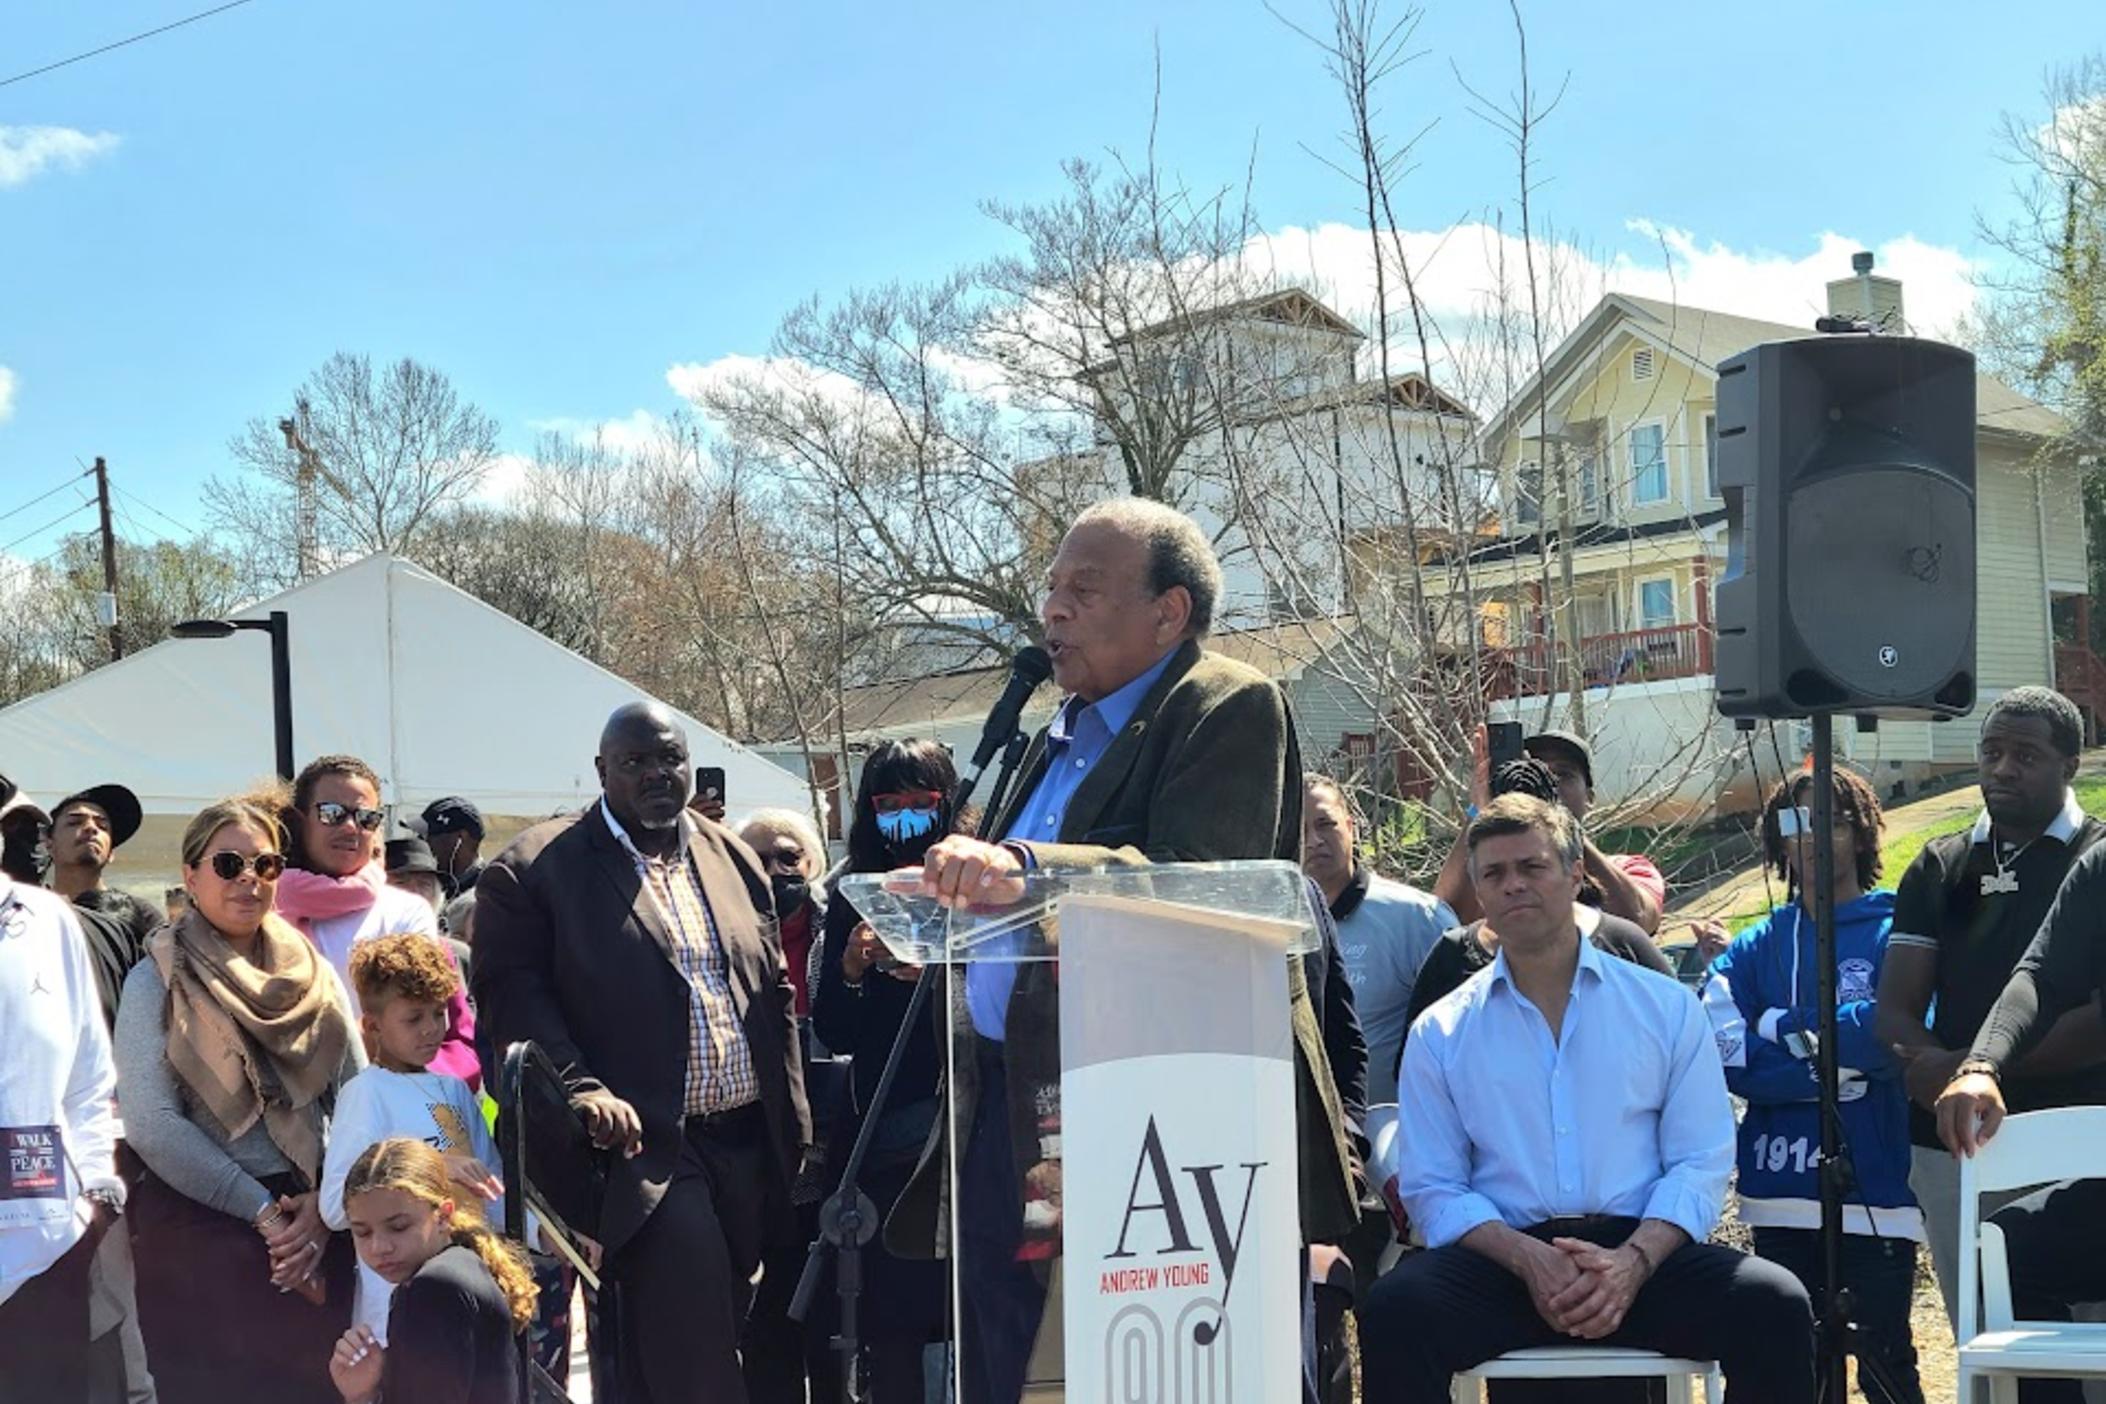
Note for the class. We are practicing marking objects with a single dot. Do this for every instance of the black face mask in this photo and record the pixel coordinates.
(791, 893)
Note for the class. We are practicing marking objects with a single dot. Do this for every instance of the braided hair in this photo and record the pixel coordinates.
(1526, 776)
(1856, 804)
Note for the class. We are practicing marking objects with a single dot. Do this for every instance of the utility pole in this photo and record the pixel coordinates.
(108, 605)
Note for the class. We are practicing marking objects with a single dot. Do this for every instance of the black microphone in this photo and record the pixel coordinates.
(1030, 668)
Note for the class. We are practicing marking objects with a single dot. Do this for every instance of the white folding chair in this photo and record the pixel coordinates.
(2036, 1148)
(1590, 1362)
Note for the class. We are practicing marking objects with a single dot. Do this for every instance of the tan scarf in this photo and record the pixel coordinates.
(254, 1038)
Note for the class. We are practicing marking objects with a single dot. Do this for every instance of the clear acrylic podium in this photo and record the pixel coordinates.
(1121, 1216)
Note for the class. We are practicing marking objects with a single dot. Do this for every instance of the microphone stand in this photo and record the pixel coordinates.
(1837, 1335)
(848, 1220)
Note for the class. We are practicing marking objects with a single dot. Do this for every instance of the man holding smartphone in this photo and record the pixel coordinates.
(1629, 884)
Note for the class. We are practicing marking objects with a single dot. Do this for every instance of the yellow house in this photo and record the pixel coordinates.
(1623, 421)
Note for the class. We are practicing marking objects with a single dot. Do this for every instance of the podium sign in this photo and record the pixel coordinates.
(1140, 1167)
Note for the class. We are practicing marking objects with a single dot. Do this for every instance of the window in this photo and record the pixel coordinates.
(1528, 494)
(1648, 463)
(1711, 454)
(1589, 487)
(1642, 364)
(1656, 603)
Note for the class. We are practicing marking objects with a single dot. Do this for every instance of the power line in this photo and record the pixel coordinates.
(73, 511)
(20, 570)
(13, 511)
(178, 24)
(141, 502)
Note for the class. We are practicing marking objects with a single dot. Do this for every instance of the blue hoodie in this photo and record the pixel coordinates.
(1762, 995)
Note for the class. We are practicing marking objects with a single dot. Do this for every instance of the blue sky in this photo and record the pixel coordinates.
(556, 203)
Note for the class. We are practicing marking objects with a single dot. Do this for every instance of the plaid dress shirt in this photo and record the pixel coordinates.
(720, 1073)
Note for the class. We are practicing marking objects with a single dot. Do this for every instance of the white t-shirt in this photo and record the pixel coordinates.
(434, 1108)
(58, 1126)
(393, 912)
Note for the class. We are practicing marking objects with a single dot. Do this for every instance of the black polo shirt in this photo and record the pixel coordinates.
(1979, 909)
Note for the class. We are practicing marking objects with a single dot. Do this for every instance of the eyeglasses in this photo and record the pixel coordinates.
(227, 865)
(911, 799)
(329, 814)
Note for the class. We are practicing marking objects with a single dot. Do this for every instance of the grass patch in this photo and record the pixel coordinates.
(1902, 846)
(1899, 852)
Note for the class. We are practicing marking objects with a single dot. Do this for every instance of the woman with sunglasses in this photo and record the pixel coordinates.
(336, 889)
(233, 1038)
(905, 802)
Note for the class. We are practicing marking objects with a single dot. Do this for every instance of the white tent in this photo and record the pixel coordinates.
(437, 691)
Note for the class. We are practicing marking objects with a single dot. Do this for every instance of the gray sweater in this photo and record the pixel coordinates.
(178, 1139)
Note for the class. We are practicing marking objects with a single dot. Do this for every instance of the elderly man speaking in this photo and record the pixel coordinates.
(1161, 752)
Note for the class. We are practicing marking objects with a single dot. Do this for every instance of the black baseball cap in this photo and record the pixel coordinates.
(410, 855)
(119, 803)
(452, 815)
(1573, 744)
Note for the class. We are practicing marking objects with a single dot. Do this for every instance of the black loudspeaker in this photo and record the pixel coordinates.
(1847, 466)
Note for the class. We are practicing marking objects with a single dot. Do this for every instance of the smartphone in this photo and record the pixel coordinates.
(709, 784)
(1503, 739)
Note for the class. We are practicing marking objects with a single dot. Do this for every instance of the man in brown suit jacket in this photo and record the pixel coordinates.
(1162, 753)
(636, 943)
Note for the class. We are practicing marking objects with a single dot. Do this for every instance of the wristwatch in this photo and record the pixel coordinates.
(107, 1196)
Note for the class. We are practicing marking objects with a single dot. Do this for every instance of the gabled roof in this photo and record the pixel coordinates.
(1280, 651)
(1702, 338)
(1602, 533)
(1291, 306)
(1412, 392)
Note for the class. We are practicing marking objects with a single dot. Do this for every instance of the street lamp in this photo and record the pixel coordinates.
(278, 626)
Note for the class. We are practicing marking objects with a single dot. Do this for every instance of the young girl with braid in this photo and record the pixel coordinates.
(462, 1293)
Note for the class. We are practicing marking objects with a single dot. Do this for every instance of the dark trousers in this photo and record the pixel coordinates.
(683, 1277)
(777, 1354)
(215, 1328)
(1451, 1308)
(2057, 1243)
(1001, 1300)
(44, 1333)
(1881, 1276)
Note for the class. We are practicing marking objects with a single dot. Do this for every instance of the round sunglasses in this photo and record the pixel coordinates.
(227, 865)
(329, 814)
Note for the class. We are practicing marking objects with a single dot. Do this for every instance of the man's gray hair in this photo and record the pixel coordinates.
(1178, 551)
(763, 824)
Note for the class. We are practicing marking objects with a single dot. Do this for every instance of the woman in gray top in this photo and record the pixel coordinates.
(233, 1038)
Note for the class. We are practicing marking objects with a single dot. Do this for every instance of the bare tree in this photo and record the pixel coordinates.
(866, 422)
(2042, 323)
(50, 627)
(390, 448)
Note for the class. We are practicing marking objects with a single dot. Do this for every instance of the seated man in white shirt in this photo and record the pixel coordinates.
(1566, 1144)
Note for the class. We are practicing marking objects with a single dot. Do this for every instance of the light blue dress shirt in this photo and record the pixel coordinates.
(1080, 735)
(1624, 1113)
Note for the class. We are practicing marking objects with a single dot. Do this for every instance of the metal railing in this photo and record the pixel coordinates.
(536, 1129)
(1606, 660)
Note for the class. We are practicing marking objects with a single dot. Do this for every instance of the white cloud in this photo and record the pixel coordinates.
(1459, 271)
(26, 152)
(638, 429)
(694, 381)
(2074, 129)
(507, 479)
(7, 394)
